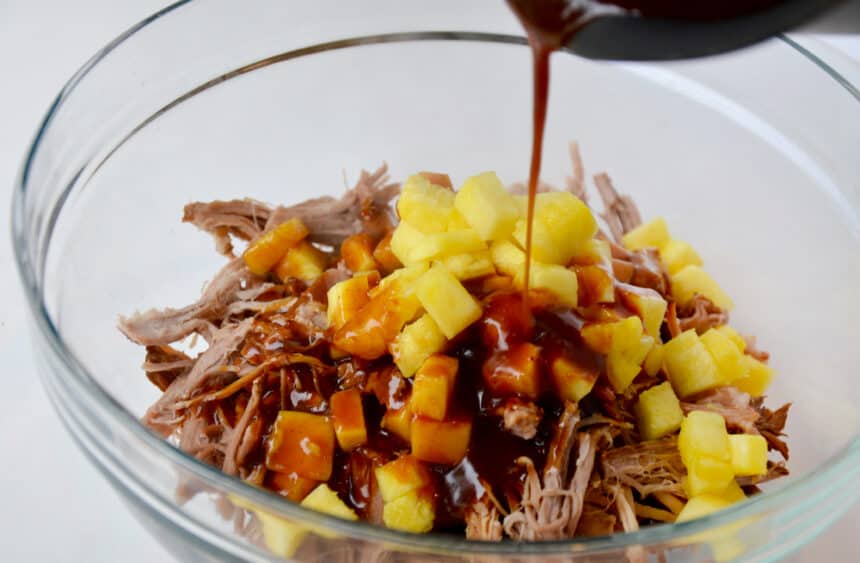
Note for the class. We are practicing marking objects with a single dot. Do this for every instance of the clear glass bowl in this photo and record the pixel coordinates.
(750, 156)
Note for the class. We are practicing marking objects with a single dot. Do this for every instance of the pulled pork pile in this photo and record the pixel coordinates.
(538, 466)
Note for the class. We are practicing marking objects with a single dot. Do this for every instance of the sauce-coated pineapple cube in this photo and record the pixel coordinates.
(323, 499)
(658, 412)
(595, 285)
(399, 422)
(514, 371)
(384, 256)
(346, 298)
(653, 234)
(301, 443)
(469, 266)
(413, 512)
(265, 252)
(405, 277)
(558, 281)
(689, 365)
(357, 253)
(676, 254)
(451, 243)
(618, 335)
(291, 485)
(447, 301)
(487, 206)
(444, 442)
(594, 252)
(648, 305)
(573, 375)
(757, 379)
(401, 476)
(425, 206)
(749, 454)
(433, 386)
(562, 225)
(415, 343)
(348, 416)
(691, 280)
(303, 261)
(729, 360)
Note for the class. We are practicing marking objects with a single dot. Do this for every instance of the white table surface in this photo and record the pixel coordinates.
(53, 505)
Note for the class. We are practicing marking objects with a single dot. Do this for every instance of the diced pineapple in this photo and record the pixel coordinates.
(624, 364)
(689, 365)
(303, 261)
(508, 259)
(647, 304)
(369, 331)
(384, 256)
(653, 234)
(281, 537)
(440, 442)
(593, 252)
(425, 206)
(301, 443)
(323, 499)
(749, 454)
(619, 335)
(291, 485)
(357, 253)
(469, 266)
(487, 206)
(413, 512)
(595, 285)
(758, 377)
(562, 225)
(433, 387)
(348, 416)
(691, 280)
(399, 422)
(401, 476)
(729, 360)
(457, 221)
(654, 360)
(404, 240)
(415, 343)
(514, 371)
(707, 475)
(676, 254)
(556, 280)
(658, 412)
(703, 434)
(733, 335)
(438, 179)
(451, 243)
(346, 298)
(705, 504)
(265, 252)
(574, 377)
(405, 277)
(447, 301)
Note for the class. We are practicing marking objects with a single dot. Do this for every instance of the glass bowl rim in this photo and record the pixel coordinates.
(826, 477)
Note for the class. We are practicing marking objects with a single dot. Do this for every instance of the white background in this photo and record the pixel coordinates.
(53, 505)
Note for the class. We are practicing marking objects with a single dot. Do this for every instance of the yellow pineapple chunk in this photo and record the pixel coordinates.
(705, 504)
(624, 364)
(404, 239)
(654, 360)
(574, 377)
(348, 417)
(401, 476)
(281, 537)
(557, 280)
(647, 304)
(658, 412)
(447, 301)
(704, 434)
(450, 243)
(413, 512)
(457, 221)
(749, 454)
(469, 266)
(733, 335)
(758, 377)
(508, 258)
(691, 280)
(357, 253)
(433, 386)
(399, 422)
(323, 499)
(415, 343)
(729, 360)
(619, 335)
(653, 234)
(346, 298)
(404, 277)
(676, 254)
(562, 225)
(444, 442)
(303, 261)
(425, 206)
(707, 475)
(487, 206)
(265, 252)
(593, 252)
(690, 367)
